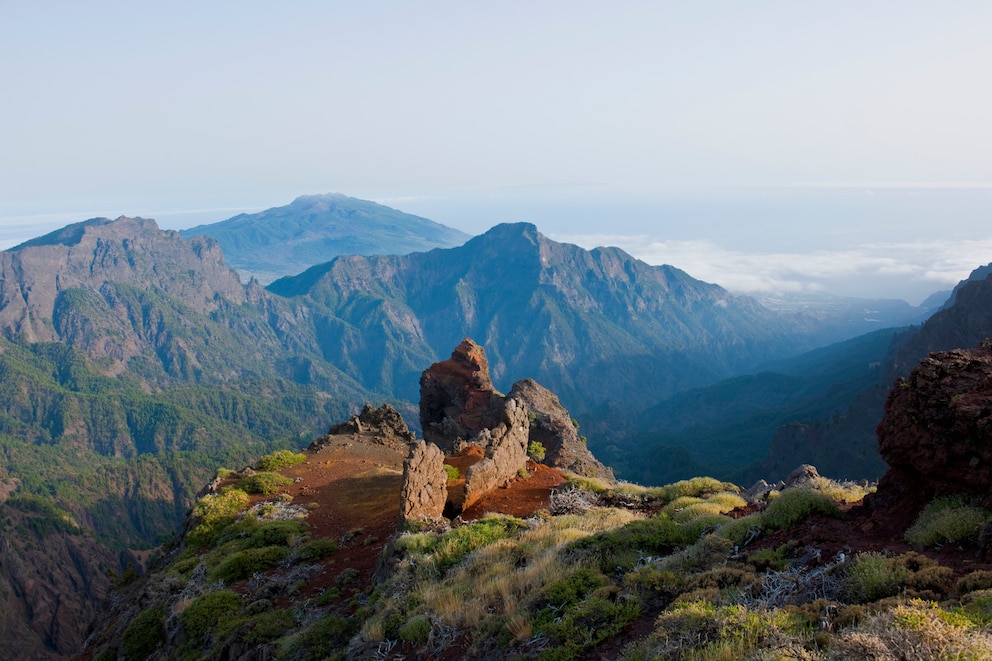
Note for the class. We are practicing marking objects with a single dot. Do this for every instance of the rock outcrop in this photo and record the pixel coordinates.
(424, 493)
(505, 448)
(383, 425)
(551, 426)
(457, 397)
(937, 431)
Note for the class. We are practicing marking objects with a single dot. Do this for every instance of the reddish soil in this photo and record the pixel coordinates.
(522, 497)
(355, 484)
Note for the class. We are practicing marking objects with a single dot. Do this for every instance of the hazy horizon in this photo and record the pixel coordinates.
(766, 146)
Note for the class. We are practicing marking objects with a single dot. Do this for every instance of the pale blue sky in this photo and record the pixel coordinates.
(738, 130)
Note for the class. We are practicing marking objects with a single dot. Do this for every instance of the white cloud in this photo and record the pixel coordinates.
(910, 270)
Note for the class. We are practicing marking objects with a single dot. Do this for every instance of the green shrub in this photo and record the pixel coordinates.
(276, 533)
(457, 543)
(624, 546)
(417, 542)
(264, 483)
(536, 451)
(280, 459)
(697, 486)
(452, 472)
(106, 654)
(566, 593)
(269, 626)
(743, 530)
(586, 625)
(212, 513)
(795, 505)
(873, 576)
(144, 634)
(202, 616)
(317, 549)
(947, 520)
(325, 638)
(417, 630)
(977, 607)
(243, 564)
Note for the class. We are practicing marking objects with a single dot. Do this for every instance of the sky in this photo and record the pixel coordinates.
(837, 146)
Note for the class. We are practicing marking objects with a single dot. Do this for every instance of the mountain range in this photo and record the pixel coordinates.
(135, 361)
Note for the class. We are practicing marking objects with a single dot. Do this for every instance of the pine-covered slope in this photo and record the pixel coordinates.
(315, 228)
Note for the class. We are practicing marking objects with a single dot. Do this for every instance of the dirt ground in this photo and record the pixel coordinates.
(354, 485)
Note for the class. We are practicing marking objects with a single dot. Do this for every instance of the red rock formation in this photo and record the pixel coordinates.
(457, 398)
(937, 431)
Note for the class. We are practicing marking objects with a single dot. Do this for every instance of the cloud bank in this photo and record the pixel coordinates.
(909, 270)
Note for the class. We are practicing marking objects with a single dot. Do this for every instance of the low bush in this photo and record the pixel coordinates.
(536, 451)
(144, 634)
(322, 639)
(702, 631)
(280, 459)
(917, 630)
(317, 549)
(417, 630)
(873, 576)
(269, 626)
(947, 520)
(585, 625)
(206, 611)
(213, 513)
(454, 545)
(276, 533)
(263, 483)
(452, 472)
(795, 505)
(243, 564)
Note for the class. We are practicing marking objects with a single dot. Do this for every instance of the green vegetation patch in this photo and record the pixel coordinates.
(242, 564)
(264, 483)
(948, 520)
(457, 543)
(213, 513)
(144, 634)
(317, 549)
(536, 451)
(203, 615)
(280, 459)
(795, 505)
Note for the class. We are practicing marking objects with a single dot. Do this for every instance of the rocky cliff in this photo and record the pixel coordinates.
(936, 435)
(92, 254)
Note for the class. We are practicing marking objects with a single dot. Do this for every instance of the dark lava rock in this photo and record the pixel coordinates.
(937, 431)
